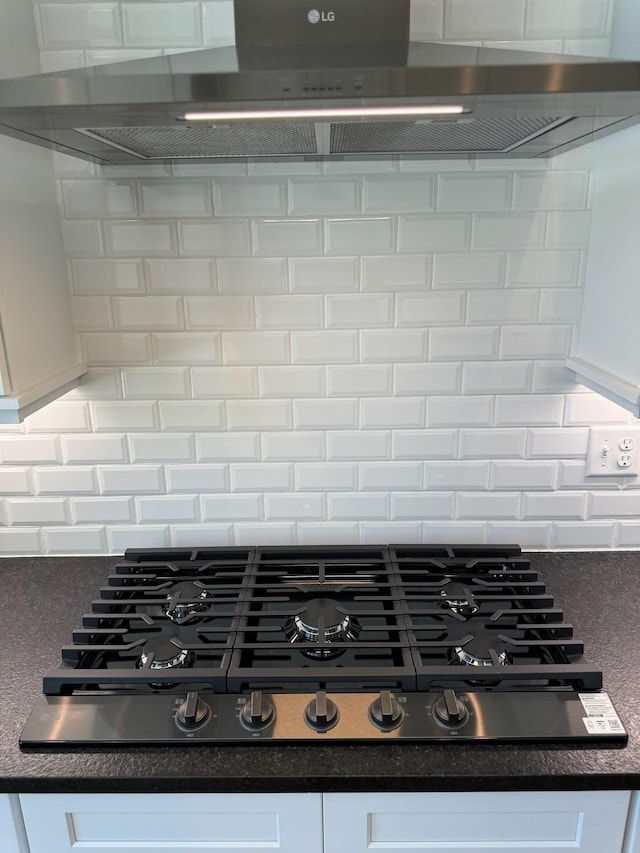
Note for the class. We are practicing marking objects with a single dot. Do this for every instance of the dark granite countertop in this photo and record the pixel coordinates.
(44, 599)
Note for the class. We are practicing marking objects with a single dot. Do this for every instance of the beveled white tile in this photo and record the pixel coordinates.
(326, 476)
(60, 60)
(534, 269)
(427, 378)
(424, 444)
(92, 449)
(105, 348)
(457, 475)
(529, 534)
(323, 196)
(215, 238)
(82, 239)
(453, 344)
(463, 192)
(555, 377)
(578, 535)
(218, 22)
(426, 19)
(359, 380)
(390, 273)
(289, 312)
(144, 313)
(557, 443)
(188, 348)
(255, 348)
(393, 413)
(568, 230)
(551, 190)
(432, 309)
(174, 198)
(393, 345)
(228, 447)
(555, 505)
(113, 415)
(155, 383)
(74, 540)
(152, 447)
(324, 347)
(488, 505)
(139, 238)
(460, 411)
(250, 196)
(614, 504)
(571, 19)
(347, 446)
(17, 481)
(560, 306)
(355, 311)
(291, 381)
(360, 235)
(367, 507)
(530, 410)
(591, 409)
(219, 312)
(297, 507)
(107, 276)
(508, 230)
(180, 275)
(293, 446)
(130, 479)
(103, 510)
(399, 194)
(98, 199)
(24, 540)
(224, 382)
(326, 533)
(252, 275)
(323, 275)
(63, 480)
(505, 306)
(499, 377)
(79, 25)
(325, 414)
(36, 510)
(517, 476)
(258, 414)
(423, 506)
(492, 443)
(287, 237)
(535, 341)
(168, 25)
(468, 270)
(435, 233)
(170, 508)
(231, 508)
(478, 19)
(392, 476)
(121, 537)
(198, 478)
(59, 417)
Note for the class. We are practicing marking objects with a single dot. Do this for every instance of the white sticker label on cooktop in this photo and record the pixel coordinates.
(601, 715)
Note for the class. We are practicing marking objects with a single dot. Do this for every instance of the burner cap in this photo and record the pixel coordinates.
(322, 621)
(458, 600)
(476, 649)
(178, 606)
(166, 655)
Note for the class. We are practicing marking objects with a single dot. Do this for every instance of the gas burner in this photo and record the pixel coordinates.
(180, 606)
(166, 655)
(459, 600)
(322, 621)
(476, 650)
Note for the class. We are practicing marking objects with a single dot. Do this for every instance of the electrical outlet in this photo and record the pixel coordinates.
(613, 452)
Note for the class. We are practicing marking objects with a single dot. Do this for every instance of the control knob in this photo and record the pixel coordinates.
(321, 714)
(193, 713)
(384, 712)
(450, 710)
(258, 713)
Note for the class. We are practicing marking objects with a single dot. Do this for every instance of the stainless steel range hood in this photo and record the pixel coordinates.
(307, 83)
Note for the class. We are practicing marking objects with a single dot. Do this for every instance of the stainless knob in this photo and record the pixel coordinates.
(450, 710)
(258, 713)
(193, 713)
(385, 712)
(321, 714)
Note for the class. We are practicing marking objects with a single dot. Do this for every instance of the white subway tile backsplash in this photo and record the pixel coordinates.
(170, 508)
(379, 476)
(402, 412)
(460, 192)
(252, 275)
(551, 190)
(277, 446)
(328, 533)
(492, 443)
(16, 481)
(285, 237)
(110, 416)
(627, 534)
(348, 445)
(130, 479)
(131, 313)
(92, 449)
(468, 270)
(537, 269)
(534, 535)
(26, 540)
(424, 444)
(424, 507)
(433, 233)
(457, 475)
(560, 306)
(399, 194)
(78, 540)
(535, 341)
(82, 239)
(271, 533)
(509, 230)
(191, 414)
(488, 505)
(188, 348)
(360, 235)
(325, 414)
(29, 450)
(79, 25)
(67, 416)
(357, 311)
(250, 197)
(227, 447)
(614, 505)
(197, 478)
(427, 378)
(557, 443)
(171, 198)
(218, 22)
(232, 508)
(161, 448)
(591, 409)
(523, 475)
(357, 506)
(477, 19)
(359, 380)
(36, 510)
(578, 535)
(140, 238)
(101, 510)
(215, 238)
(111, 348)
(453, 344)
(426, 19)
(393, 345)
(530, 410)
(323, 275)
(98, 199)
(389, 272)
(298, 507)
(326, 476)
(571, 475)
(506, 306)
(255, 348)
(568, 230)
(571, 18)
(107, 276)
(322, 196)
(291, 381)
(258, 414)
(432, 309)
(324, 348)
(289, 312)
(220, 312)
(568, 505)
(178, 276)
(494, 377)
(176, 25)
(224, 382)
(460, 411)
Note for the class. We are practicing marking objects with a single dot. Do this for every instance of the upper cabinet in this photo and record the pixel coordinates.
(39, 356)
(607, 353)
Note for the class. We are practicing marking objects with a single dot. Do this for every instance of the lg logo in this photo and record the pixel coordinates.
(315, 17)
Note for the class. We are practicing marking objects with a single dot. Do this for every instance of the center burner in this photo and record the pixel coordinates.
(185, 601)
(322, 621)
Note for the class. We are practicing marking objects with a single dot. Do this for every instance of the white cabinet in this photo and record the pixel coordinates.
(606, 357)
(173, 823)
(633, 827)
(501, 822)
(12, 838)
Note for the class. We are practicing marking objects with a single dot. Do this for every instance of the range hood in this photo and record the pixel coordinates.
(307, 83)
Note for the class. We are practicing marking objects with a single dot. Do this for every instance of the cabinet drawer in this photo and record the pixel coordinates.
(501, 822)
(226, 823)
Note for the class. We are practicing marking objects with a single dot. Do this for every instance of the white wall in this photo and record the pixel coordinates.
(319, 353)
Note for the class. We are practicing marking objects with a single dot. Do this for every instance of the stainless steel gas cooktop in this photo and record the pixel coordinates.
(264, 645)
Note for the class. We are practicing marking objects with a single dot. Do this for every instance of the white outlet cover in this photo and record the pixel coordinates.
(607, 447)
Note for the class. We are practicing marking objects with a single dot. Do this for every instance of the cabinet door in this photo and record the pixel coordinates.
(173, 823)
(502, 822)
(12, 838)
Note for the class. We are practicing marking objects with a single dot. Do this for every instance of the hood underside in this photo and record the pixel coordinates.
(324, 101)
